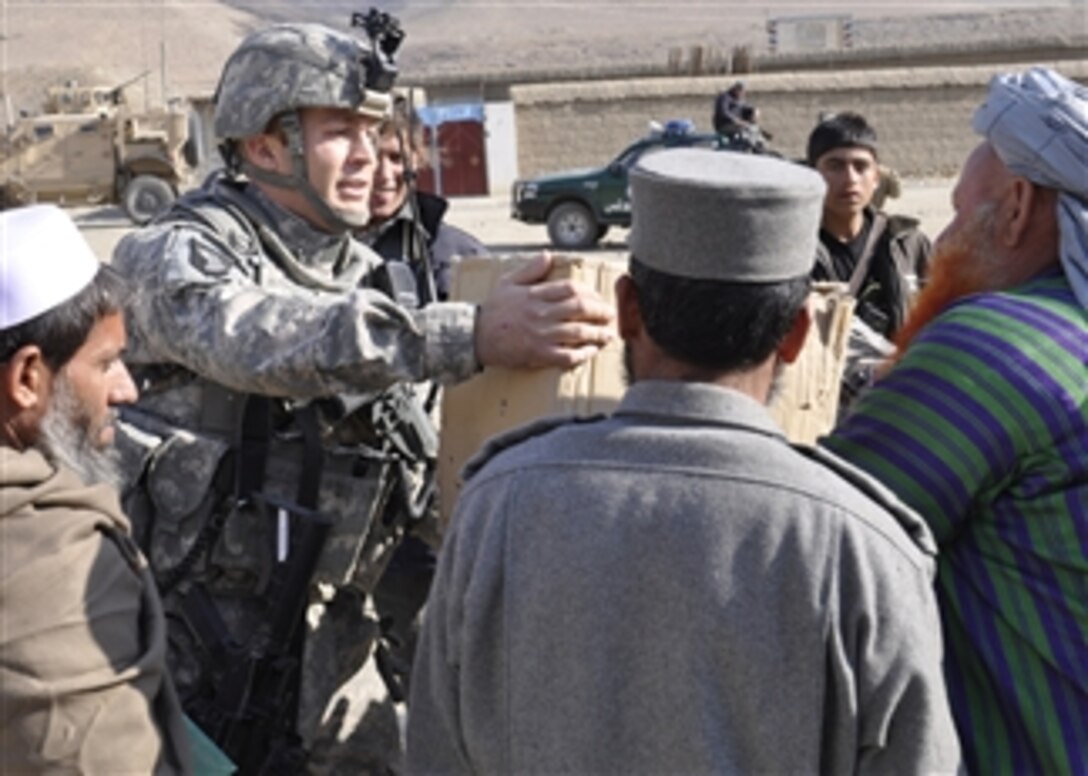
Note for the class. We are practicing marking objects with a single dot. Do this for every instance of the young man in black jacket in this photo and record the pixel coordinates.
(884, 258)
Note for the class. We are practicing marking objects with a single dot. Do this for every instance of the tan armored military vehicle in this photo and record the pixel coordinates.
(90, 147)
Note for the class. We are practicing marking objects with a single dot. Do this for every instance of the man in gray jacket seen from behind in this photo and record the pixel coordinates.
(674, 588)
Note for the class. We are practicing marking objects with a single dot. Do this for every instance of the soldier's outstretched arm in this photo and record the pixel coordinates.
(531, 322)
(200, 306)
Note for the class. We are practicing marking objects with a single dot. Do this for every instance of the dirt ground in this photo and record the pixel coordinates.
(488, 218)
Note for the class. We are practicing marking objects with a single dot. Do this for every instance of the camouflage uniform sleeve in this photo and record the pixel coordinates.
(197, 303)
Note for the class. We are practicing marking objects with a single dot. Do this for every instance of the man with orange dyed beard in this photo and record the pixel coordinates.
(982, 426)
(969, 258)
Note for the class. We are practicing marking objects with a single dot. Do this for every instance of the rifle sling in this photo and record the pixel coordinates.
(861, 269)
(254, 445)
(313, 457)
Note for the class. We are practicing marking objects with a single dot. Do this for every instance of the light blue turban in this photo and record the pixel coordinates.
(1037, 122)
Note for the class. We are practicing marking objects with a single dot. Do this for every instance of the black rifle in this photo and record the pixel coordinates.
(401, 420)
(407, 438)
(410, 442)
(248, 701)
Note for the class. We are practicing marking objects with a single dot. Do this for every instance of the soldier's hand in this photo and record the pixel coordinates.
(529, 322)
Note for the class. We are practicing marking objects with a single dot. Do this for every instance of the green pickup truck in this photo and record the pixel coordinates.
(579, 205)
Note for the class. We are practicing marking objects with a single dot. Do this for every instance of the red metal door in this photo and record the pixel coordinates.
(460, 166)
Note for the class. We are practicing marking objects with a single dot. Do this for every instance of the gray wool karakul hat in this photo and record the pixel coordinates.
(721, 215)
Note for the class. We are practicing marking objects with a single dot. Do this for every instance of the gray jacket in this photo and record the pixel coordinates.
(674, 589)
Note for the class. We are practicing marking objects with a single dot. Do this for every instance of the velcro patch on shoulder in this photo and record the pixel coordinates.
(208, 261)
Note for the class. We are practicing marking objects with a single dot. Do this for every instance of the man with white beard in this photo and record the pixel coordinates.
(83, 683)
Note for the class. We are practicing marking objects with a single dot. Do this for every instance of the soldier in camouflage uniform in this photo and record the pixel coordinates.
(269, 365)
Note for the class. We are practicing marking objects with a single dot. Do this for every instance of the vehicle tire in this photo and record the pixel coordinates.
(145, 197)
(572, 225)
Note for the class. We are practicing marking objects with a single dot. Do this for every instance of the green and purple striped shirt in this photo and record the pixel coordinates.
(983, 428)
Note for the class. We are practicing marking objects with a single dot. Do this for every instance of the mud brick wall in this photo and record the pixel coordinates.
(922, 115)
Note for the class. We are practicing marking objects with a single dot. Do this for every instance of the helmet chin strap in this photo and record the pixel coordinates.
(299, 179)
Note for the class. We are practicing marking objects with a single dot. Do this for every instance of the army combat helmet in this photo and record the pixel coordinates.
(276, 72)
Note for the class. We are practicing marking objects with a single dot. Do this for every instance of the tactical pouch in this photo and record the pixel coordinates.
(186, 507)
(254, 541)
(354, 490)
(186, 516)
(241, 557)
(177, 487)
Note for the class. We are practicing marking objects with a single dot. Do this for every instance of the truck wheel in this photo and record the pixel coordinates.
(572, 225)
(145, 197)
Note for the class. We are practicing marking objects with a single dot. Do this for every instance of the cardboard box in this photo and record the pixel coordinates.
(807, 398)
(500, 399)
